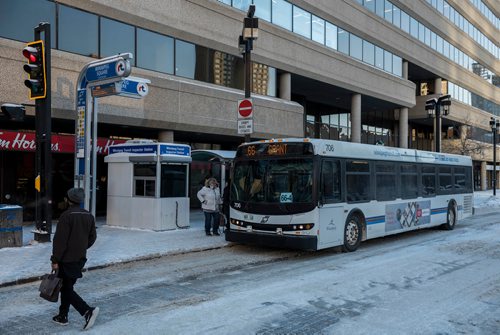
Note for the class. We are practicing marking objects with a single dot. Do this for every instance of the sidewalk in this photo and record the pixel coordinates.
(113, 245)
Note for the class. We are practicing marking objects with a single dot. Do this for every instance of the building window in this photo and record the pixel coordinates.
(116, 37)
(405, 22)
(155, 52)
(397, 65)
(242, 4)
(318, 29)
(71, 23)
(263, 9)
(32, 13)
(301, 22)
(368, 53)
(185, 59)
(331, 36)
(356, 47)
(379, 57)
(282, 13)
(343, 41)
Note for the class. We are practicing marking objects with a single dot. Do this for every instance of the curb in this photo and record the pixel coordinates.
(484, 210)
(132, 260)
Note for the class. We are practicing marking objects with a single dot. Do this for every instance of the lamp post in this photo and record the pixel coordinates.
(494, 129)
(433, 107)
(248, 35)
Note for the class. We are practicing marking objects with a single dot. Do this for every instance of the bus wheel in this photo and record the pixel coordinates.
(352, 233)
(451, 218)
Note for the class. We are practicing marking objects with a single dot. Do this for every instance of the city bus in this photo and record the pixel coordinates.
(313, 194)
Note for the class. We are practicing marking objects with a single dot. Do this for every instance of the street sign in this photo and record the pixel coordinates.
(245, 108)
(110, 69)
(245, 126)
(133, 87)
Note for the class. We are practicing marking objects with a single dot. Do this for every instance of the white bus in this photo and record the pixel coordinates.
(313, 194)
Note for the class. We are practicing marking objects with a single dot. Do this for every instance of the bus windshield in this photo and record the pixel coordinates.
(273, 181)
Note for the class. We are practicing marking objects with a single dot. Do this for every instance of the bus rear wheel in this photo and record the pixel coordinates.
(451, 218)
(352, 233)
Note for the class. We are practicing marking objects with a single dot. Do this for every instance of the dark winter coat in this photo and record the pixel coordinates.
(75, 233)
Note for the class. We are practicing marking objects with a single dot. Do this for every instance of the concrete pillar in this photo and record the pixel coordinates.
(286, 86)
(438, 86)
(484, 181)
(405, 69)
(166, 136)
(356, 118)
(403, 127)
(464, 130)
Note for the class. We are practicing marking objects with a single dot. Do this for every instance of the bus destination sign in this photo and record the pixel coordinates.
(275, 149)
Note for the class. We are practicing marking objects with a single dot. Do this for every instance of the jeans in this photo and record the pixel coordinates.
(70, 297)
(209, 216)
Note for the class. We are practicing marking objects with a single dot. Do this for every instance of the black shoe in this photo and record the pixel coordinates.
(60, 319)
(209, 234)
(216, 234)
(90, 317)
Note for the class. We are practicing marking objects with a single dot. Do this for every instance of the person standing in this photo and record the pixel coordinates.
(75, 233)
(210, 199)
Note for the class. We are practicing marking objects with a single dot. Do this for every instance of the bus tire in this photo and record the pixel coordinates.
(451, 218)
(353, 232)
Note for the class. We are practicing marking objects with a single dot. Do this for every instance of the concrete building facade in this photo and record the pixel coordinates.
(351, 70)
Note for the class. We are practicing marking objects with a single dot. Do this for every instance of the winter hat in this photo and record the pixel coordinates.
(76, 195)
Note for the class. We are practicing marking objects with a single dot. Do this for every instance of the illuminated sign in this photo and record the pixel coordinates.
(275, 149)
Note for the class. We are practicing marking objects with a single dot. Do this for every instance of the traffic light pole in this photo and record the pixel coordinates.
(43, 119)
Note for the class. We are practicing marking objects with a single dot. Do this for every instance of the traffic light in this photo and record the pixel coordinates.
(35, 53)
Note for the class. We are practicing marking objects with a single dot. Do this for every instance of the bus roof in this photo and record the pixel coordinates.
(331, 148)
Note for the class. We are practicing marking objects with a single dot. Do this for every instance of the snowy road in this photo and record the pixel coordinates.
(426, 282)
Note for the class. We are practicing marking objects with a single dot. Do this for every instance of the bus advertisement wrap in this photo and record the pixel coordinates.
(407, 215)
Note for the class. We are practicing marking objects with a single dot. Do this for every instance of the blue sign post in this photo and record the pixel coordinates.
(104, 77)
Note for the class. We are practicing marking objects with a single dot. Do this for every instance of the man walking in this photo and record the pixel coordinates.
(75, 233)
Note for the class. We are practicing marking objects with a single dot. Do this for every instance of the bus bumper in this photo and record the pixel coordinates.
(273, 240)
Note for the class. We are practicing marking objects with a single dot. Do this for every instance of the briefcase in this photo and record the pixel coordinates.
(50, 286)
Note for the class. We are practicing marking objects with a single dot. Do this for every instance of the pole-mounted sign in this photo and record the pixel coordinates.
(100, 78)
(245, 116)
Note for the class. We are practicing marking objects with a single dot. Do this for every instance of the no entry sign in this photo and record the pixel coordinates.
(245, 108)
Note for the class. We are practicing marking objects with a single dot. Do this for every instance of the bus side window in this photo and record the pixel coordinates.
(330, 181)
(358, 181)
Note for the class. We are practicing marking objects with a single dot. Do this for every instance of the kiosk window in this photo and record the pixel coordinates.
(144, 180)
(173, 181)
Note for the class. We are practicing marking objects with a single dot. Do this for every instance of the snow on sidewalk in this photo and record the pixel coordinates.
(113, 245)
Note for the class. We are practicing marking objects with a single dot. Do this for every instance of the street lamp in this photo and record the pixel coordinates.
(245, 43)
(433, 107)
(494, 129)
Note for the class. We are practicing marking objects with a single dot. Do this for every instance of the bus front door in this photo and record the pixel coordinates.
(331, 223)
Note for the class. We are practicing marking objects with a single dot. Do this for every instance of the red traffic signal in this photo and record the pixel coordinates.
(35, 53)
